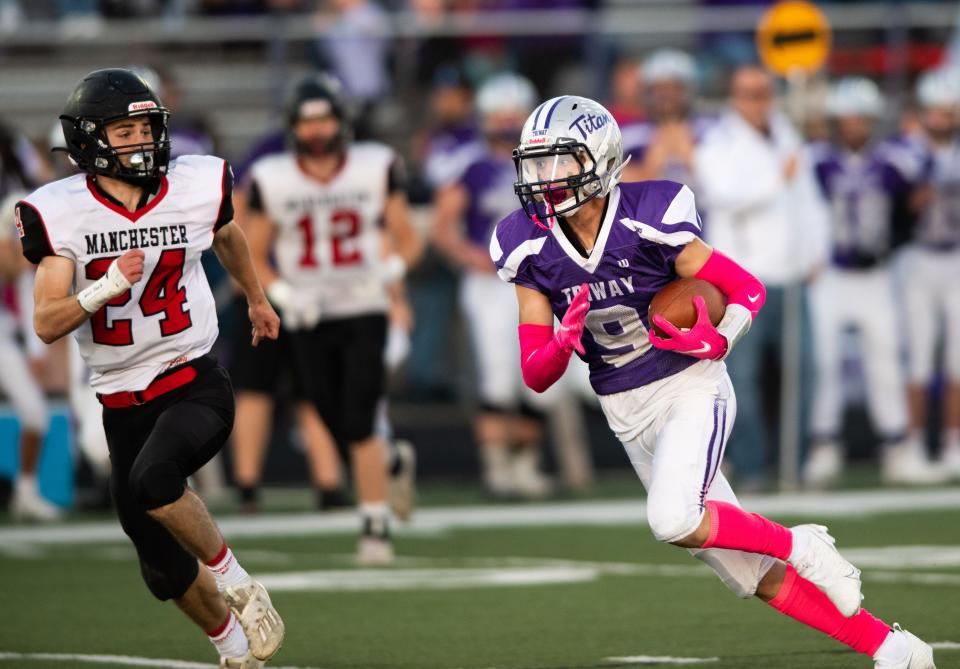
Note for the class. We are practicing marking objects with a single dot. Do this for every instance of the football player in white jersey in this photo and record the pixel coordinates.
(118, 249)
(20, 387)
(321, 209)
(933, 266)
(592, 252)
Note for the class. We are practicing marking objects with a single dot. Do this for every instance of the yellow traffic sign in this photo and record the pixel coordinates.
(793, 35)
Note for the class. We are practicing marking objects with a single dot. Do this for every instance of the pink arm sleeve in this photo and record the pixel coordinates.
(739, 285)
(542, 359)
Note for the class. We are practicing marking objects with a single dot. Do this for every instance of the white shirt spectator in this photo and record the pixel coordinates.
(775, 226)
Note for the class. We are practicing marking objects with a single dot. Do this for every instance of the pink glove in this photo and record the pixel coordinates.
(701, 341)
(571, 327)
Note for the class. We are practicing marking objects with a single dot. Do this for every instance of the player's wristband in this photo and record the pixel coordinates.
(104, 289)
(280, 293)
(393, 269)
(734, 325)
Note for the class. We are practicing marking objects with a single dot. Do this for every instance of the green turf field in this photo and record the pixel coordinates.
(527, 596)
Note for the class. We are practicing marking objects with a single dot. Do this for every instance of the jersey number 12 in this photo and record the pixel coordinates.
(162, 294)
(344, 226)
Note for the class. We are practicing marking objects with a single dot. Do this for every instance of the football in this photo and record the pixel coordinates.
(674, 302)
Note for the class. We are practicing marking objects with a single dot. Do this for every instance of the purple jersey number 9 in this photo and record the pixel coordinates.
(620, 330)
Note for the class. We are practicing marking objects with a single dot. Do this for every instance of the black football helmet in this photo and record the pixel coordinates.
(109, 95)
(319, 94)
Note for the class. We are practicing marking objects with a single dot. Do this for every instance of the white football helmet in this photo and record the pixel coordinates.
(570, 151)
(854, 96)
(505, 93)
(670, 65)
(939, 88)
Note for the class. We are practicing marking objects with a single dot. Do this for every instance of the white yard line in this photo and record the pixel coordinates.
(423, 579)
(441, 519)
(120, 660)
(661, 659)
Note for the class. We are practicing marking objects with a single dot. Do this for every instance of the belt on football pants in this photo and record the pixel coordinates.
(160, 386)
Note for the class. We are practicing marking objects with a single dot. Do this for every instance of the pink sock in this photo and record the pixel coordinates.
(732, 527)
(801, 600)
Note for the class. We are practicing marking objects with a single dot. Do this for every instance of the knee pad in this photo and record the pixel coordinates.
(740, 572)
(156, 484)
(669, 522)
(172, 579)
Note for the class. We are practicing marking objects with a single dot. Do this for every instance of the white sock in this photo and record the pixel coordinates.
(376, 519)
(229, 640)
(226, 570)
(26, 484)
(893, 650)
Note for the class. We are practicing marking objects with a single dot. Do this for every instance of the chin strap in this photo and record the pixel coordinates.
(615, 174)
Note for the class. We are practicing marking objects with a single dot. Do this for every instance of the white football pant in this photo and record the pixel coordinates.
(490, 307)
(863, 299)
(88, 413)
(16, 380)
(932, 295)
(675, 431)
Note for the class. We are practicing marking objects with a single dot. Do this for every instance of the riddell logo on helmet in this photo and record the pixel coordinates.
(312, 108)
(139, 106)
(537, 140)
(16, 219)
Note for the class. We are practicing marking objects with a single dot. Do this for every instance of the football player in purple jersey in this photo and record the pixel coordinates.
(869, 186)
(663, 146)
(931, 298)
(593, 252)
(509, 422)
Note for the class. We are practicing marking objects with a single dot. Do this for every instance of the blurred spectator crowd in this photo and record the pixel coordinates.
(847, 208)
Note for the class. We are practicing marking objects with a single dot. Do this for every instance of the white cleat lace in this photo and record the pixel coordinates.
(819, 562)
(260, 621)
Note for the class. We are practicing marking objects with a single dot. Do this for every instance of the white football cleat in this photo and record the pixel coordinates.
(260, 621)
(816, 559)
(497, 471)
(528, 481)
(374, 551)
(248, 661)
(950, 460)
(824, 465)
(28, 505)
(911, 651)
(906, 463)
(401, 486)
